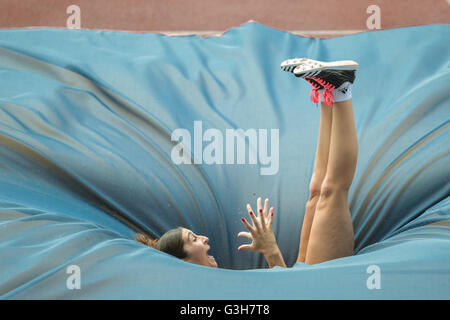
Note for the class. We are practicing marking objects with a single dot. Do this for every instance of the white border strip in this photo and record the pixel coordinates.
(299, 32)
(325, 32)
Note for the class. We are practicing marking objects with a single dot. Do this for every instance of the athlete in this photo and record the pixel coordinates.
(327, 231)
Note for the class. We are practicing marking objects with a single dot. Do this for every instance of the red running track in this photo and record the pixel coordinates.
(320, 18)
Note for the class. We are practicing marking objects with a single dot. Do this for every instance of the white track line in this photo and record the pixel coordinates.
(299, 32)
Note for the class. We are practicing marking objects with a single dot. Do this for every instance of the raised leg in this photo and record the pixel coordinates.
(320, 168)
(331, 235)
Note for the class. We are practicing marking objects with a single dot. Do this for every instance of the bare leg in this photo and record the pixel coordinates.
(331, 234)
(320, 168)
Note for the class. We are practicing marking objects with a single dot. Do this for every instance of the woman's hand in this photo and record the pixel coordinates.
(261, 233)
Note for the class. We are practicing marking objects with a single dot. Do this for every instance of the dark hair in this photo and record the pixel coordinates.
(170, 242)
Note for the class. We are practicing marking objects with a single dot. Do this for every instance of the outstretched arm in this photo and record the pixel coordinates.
(261, 234)
(275, 258)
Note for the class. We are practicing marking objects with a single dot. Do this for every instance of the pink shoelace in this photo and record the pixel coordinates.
(327, 96)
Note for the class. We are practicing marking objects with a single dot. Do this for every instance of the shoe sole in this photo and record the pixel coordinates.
(301, 66)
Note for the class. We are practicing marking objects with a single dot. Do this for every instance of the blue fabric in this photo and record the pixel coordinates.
(86, 119)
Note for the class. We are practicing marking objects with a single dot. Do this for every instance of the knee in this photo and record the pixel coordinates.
(314, 194)
(315, 187)
(330, 188)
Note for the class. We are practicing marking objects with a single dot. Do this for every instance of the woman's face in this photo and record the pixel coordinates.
(197, 248)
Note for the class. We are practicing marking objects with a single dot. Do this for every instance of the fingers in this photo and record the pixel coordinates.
(270, 218)
(247, 225)
(258, 205)
(245, 234)
(262, 216)
(253, 217)
(265, 214)
(245, 247)
(262, 223)
(266, 206)
(261, 213)
(262, 219)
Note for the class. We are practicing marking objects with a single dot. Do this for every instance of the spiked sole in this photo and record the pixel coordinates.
(309, 67)
(290, 64)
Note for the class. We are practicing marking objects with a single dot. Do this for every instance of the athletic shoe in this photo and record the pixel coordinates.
(321, 75)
